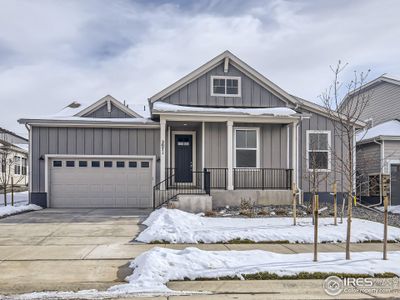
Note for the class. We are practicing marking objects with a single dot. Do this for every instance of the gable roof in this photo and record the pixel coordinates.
(316, 108)
(104, 101)
(226, 57)
(5, 131)
(386, 130)
(393, 79)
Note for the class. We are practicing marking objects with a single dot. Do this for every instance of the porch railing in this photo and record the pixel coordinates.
(262, 178)
(218, 178)
(169, 188)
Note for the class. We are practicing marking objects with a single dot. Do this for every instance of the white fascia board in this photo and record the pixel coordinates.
(49, 123)
(234, 118)
(379, 138)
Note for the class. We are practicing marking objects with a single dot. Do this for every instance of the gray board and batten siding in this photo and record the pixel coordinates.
(384, 103)
(102, 112)
(87, 141)
(198, 92)
(320, 122)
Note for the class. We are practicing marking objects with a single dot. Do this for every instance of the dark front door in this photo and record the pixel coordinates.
(183, 158)
(395, 184)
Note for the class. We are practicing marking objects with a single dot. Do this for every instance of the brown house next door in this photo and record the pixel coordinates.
(395, 184)
(183, 158)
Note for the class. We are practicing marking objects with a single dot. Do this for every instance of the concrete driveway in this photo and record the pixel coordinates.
(68, 249)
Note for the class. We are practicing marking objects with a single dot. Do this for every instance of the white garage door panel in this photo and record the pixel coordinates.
(100, 186)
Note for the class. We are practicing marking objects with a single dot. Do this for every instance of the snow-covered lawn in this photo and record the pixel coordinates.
(21, 198)
(175, 226)
(394, 209)
(154, 268)
(12, 210)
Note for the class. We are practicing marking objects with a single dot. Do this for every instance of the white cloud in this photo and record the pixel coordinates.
(53, 52)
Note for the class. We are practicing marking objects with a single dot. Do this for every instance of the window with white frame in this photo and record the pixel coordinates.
(225, 86)
(319, 150)
(17, 165)
(246, 148)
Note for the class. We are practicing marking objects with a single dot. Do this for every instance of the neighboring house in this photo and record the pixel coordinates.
(223, 129)
(378, 148)
(13, 158)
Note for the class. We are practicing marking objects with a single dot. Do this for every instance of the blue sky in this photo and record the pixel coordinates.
(53, 52)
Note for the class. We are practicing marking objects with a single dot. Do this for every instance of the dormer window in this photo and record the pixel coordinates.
(226, 86)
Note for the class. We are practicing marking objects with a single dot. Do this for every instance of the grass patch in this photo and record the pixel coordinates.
(301, 275)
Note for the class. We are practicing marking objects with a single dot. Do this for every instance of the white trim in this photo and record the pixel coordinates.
(186, 116)
(194, 148)
(30, 162)
(51, 156)
(390, 163)
(298, 159)
(257, 148)
(329, 151)
(162, 151)
(294, 152)
(226, 65)
(287, 147)
(88, 124)
(239, 94)
(203, 142)
(229, 146)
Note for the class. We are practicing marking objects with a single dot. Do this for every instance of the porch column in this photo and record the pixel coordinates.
(162, 151)
(229, 145)
(294, 152)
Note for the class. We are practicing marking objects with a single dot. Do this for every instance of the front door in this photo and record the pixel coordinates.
(395, 184)
(183, 158)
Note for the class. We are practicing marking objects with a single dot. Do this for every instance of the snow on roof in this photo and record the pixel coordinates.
(274, 111)
(23, 146)
(77, 106)
(59, 119)
(388, 129)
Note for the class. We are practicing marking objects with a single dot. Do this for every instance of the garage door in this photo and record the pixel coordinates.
(81, 182)
(395, 184)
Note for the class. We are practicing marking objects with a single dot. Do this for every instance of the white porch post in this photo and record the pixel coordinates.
(229, 145)
(162, 151)
(294, 152)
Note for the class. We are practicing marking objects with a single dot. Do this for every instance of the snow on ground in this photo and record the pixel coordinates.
(12, 210)
(176, 226)
(394, 209)
(21, 198)
(154, 268)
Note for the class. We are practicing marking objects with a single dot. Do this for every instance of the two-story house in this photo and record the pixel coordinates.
(378, 147)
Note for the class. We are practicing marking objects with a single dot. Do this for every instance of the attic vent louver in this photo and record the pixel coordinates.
(74, 104)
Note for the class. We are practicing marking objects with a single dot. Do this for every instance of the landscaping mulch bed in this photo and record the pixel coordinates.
(304, 211)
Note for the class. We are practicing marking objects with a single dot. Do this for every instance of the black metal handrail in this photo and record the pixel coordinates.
(169, 188)
(262, 178)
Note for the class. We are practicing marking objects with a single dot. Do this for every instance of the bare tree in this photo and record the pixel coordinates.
(348, 117)
(8, 164)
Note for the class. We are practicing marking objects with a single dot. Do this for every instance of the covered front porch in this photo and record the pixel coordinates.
(227, 155)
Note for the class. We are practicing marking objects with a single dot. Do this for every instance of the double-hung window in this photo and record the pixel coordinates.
(17, 165)
(319, 150)
(246, 147)
(227, 86)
